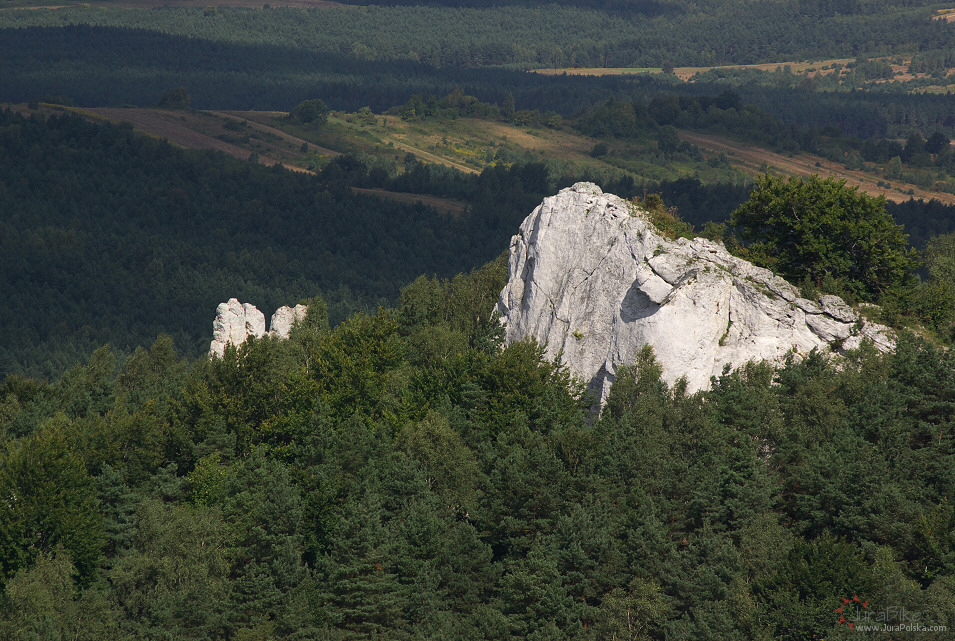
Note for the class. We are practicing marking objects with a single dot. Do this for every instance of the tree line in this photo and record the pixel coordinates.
(554, 35)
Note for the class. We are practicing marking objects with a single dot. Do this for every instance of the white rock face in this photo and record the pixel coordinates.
(283, 319)
(234, 323)
(596, 283)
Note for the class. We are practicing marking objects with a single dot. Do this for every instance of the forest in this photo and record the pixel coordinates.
(401, 476)
(392, 470)
(380, 56)
(111, 236)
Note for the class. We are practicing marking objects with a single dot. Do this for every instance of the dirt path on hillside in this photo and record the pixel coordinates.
(753, 159)
(243, 116)
(166, 124)
(430, 157)
(554, 142)
(175, 127)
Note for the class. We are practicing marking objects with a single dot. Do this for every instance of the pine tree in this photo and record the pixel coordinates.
(360, 591)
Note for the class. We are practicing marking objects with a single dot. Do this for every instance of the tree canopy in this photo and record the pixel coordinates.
(822, 230)
(460, 491)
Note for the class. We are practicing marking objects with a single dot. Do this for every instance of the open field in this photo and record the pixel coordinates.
(945, 14)
(596, 71)
(466, 144)
(202, 130)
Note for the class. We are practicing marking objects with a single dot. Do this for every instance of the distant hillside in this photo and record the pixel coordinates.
(111, 236)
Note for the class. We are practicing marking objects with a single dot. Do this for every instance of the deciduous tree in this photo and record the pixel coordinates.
(819, 228)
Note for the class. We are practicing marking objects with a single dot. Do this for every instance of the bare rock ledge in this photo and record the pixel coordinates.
(594, 281)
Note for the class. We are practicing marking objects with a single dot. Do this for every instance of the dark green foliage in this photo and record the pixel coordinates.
(118, 504)
(934, 300)
(665, 219)
(358, 369)
(310, 112)
(156, 223)
(151, 374)
(174, 583)
(51, 503)
(801, 596)
(229, 394)
(822, 229)
(264, 509)
(362, 593)
(41, 603)
(451, 467)
(396, 478)
(177, 98)
(617, 119)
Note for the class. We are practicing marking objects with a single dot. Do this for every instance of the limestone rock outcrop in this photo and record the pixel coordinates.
(592, 279)
(283, 319)
(236, 321)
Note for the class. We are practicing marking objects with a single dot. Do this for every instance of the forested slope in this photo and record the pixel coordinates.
(399, 474)
(543, 34)
(111, 236)
(401, 477)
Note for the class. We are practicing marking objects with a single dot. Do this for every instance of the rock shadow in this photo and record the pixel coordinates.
(636, 305)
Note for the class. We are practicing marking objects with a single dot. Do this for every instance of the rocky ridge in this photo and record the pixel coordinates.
(592, 279)
(236, 321)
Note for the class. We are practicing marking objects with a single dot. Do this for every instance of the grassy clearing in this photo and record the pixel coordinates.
(467, 144)
(945, 14)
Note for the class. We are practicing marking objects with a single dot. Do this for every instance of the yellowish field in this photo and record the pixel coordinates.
(945, 14)
(816, 68)
(597, 71)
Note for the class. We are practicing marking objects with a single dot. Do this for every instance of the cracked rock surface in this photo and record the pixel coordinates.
(592, 279)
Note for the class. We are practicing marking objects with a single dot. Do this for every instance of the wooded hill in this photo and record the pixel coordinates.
(402, 477)
(395, 473)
